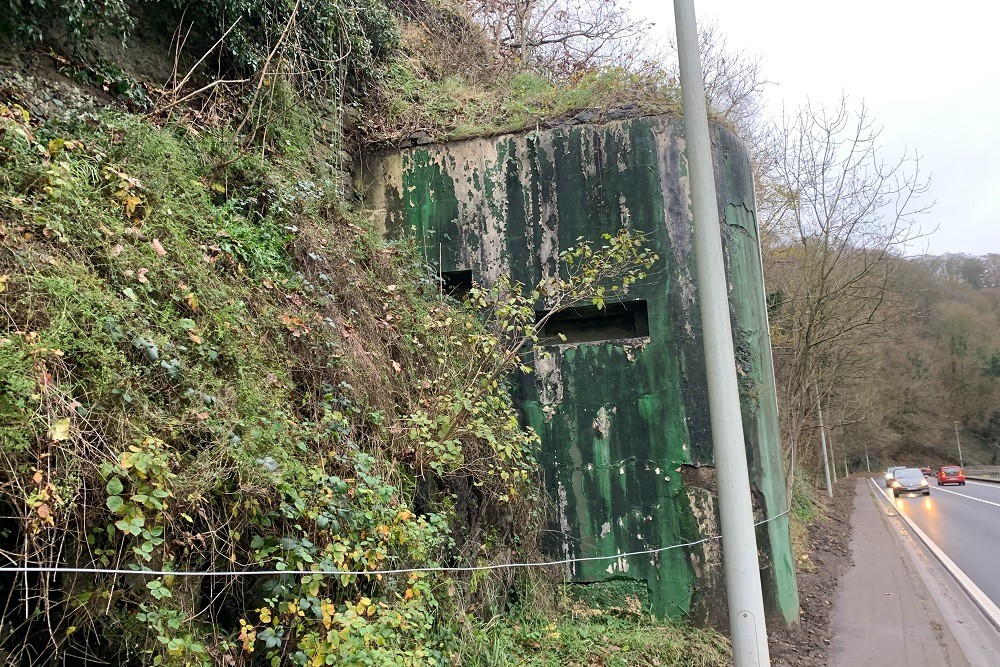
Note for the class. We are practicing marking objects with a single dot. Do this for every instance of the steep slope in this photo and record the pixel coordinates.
(209, 364)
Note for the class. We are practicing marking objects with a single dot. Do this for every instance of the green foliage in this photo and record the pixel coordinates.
(77, 19)
(153, 313)
(806, 506)
(992, 367)
(357, 36)
(323, 41)
(111, 79)
(351, 525)
(206, 364)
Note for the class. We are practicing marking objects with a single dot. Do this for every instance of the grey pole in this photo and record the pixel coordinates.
(739, 544)
(959, 442)
(822, 441)
(867, 462)
(847, 471)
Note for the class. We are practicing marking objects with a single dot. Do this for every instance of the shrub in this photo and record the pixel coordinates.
(79, 20)
(325, 41)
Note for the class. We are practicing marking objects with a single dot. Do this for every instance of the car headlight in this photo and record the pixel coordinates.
(923, 482)
(895, 483)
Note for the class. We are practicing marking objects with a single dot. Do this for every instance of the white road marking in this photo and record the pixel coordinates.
(988, 502)
(988, 607)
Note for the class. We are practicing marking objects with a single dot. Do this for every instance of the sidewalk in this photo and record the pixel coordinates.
(883, 612)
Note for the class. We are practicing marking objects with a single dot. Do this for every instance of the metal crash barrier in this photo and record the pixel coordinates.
(985, 473)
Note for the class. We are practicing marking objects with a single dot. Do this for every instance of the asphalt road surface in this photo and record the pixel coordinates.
(964, 521)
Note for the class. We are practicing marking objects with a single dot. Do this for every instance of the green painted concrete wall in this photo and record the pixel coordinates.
(626, 445)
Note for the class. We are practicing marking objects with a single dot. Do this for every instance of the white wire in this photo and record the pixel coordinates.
(20, 569)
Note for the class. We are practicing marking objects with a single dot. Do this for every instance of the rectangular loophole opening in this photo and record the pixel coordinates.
(588, 324)
(456, 284)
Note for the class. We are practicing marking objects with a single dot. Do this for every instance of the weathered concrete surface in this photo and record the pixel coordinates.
(624, 423)
(883, 612)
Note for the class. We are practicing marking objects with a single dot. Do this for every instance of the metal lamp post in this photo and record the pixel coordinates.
(739, 543)
(959, 443)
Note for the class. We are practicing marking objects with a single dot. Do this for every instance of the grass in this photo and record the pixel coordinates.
(454, 107)
(592, 638)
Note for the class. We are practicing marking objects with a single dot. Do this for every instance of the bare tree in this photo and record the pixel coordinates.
(734, 82)
(562, 37)
(845, 218)
(992, 262)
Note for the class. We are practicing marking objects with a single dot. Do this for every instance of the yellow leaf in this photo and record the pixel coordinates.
(131, 202)
(59, 430)
(192, 301)
(3, 282)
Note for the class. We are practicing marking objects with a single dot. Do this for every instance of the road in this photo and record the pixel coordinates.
(964, 521)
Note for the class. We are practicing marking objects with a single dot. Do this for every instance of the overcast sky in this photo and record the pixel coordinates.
(927, 71)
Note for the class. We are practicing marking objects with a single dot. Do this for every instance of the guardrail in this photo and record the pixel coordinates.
(991, 473)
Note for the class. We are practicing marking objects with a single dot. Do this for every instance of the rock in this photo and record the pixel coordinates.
(622, 112)
(419, 138)
(347, 184)
(585, 116)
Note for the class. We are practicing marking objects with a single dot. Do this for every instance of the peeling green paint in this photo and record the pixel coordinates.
(759, 403)
(622, 422)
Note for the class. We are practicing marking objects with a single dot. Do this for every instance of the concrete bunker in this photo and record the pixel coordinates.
(621, 404)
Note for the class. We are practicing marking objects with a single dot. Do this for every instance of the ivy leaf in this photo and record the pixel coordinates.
(114, 503)
(59, 430)
(115, 487)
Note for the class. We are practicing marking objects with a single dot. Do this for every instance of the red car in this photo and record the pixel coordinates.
(951, 475)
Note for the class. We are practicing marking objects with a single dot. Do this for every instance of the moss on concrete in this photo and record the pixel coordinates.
(619, 420)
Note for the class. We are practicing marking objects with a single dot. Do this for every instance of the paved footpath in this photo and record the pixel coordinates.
(883, 612)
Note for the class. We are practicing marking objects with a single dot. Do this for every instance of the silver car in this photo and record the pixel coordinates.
(889, 475)
(909, 480)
